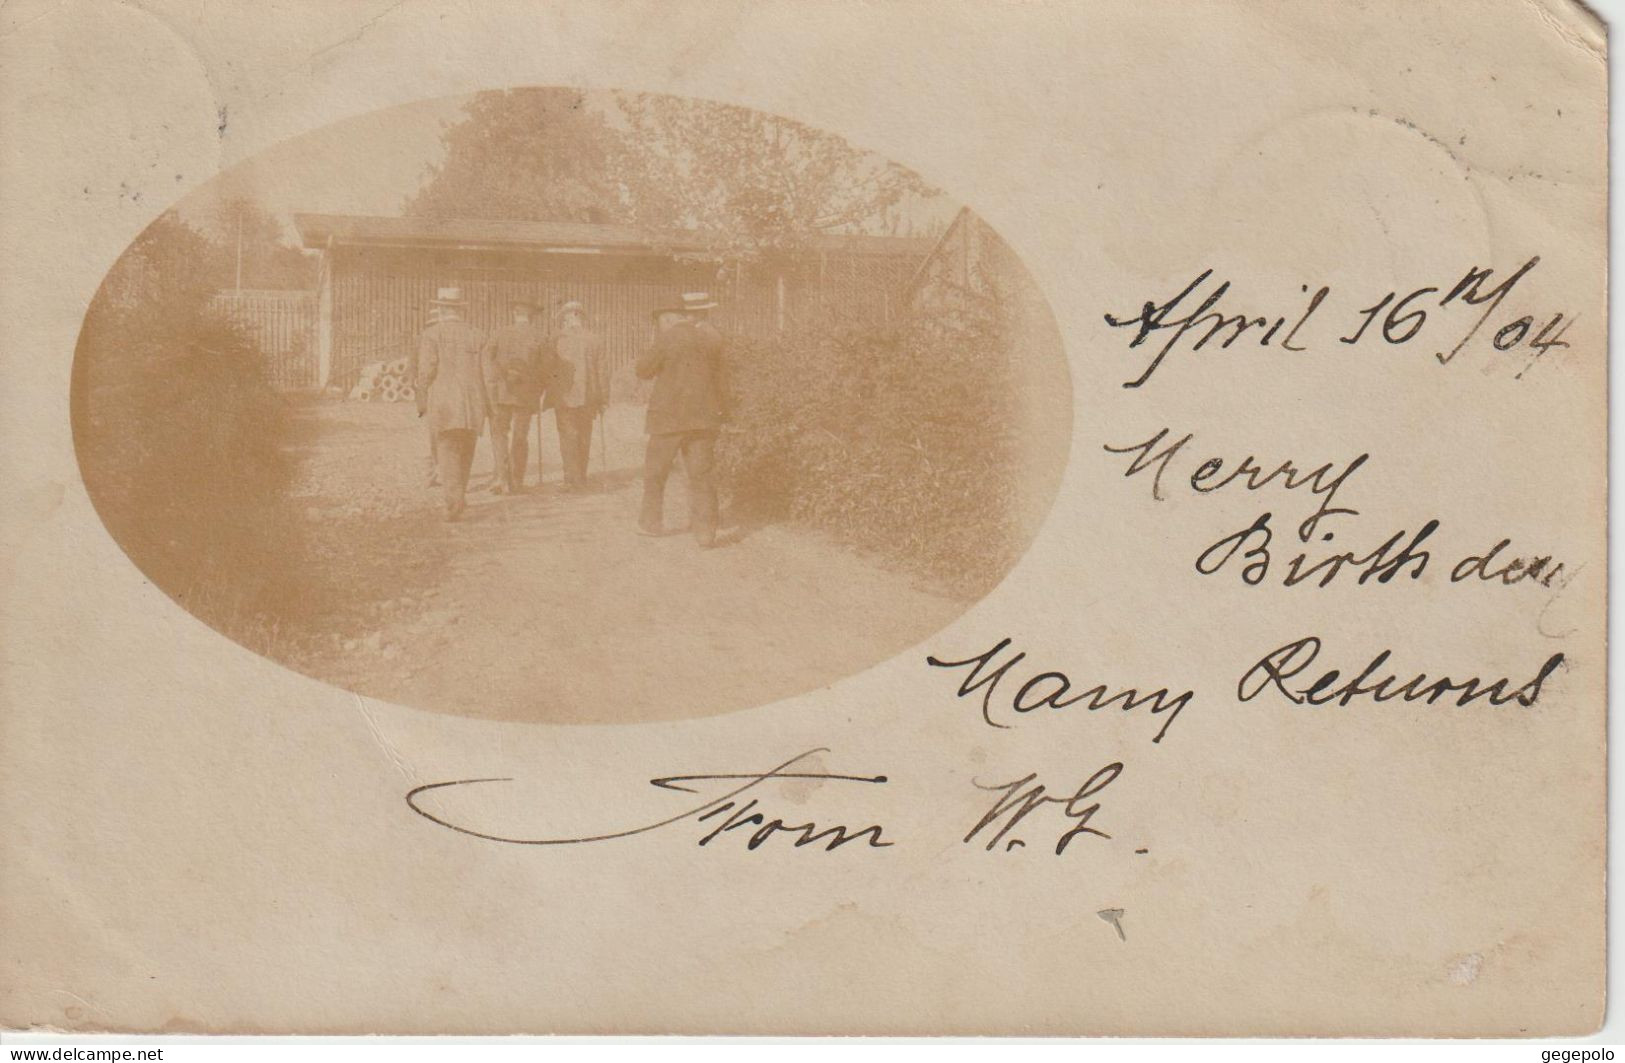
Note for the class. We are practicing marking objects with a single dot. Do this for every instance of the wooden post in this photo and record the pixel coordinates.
(324, 318)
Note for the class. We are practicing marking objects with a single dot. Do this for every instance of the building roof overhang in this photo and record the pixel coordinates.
(325, 231)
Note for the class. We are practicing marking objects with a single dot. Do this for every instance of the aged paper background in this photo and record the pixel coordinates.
(196, 839)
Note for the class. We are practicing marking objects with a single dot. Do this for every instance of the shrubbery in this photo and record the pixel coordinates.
(180, 440)
(899, 439)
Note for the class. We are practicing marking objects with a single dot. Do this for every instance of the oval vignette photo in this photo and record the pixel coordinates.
(555, 406)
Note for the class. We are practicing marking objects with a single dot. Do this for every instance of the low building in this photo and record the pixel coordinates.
(970, 262)
(378, 275)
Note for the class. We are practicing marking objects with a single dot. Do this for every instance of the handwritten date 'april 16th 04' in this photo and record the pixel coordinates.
(1199, 315)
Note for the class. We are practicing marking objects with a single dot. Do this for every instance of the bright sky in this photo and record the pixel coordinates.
(365, 165)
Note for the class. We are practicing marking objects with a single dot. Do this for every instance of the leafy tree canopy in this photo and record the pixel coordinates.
(755, 181)
(752, 182)
(535, 154)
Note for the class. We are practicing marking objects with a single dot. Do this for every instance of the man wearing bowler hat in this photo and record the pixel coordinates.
(451, 376)
(687, 407)
(514, 370)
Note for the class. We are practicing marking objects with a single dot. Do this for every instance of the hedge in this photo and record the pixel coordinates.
(897, 439)
(181, 442)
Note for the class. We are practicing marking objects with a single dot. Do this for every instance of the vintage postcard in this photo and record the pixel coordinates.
(1054, 518)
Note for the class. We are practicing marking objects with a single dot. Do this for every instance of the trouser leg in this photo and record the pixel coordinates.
(536, 419)
(699, 463)
(561, 420)
(465, 458)
(583, 431)
(657, 460)
(434, 455)
(567, 444)
(456, 449)
(519, 454)
(573, 442)
(584, 454)
(501, 424)
(445, 452)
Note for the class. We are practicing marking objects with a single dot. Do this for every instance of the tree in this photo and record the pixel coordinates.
(249, 247)
(170, 261)
(537, 154)
(753, 181)
(250, 251)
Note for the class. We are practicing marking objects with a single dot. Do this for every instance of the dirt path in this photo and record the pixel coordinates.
(546, 606)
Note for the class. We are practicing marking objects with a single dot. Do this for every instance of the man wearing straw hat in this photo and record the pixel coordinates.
(686, 409)
(450, 375)
(514, 371)
(576, 391)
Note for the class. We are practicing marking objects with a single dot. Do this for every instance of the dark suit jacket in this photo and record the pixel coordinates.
(516, 366)
(571, 353)
(691, 384)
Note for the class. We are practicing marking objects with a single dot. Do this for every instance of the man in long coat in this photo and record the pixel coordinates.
(451, 375)
(687, 407)
(577, 391)
(421, 398)
(515, 367)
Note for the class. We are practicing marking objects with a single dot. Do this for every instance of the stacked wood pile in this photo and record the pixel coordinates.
(384, 382)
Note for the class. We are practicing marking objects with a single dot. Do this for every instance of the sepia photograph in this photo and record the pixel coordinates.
(562, 406)
(816, 519)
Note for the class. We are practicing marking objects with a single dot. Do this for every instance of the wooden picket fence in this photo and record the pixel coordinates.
(283, 324)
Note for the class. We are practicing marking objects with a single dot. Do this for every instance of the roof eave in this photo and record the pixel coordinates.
(324, 232)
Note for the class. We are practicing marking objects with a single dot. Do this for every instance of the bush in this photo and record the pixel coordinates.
(181, 442)
(899, 439)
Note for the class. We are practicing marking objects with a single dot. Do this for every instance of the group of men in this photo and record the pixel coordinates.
(466, 380)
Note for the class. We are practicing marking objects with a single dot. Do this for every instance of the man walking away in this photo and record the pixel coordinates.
(576, 391)
(450, 372)
(421, 399)
(513, 374)
(687, 407)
